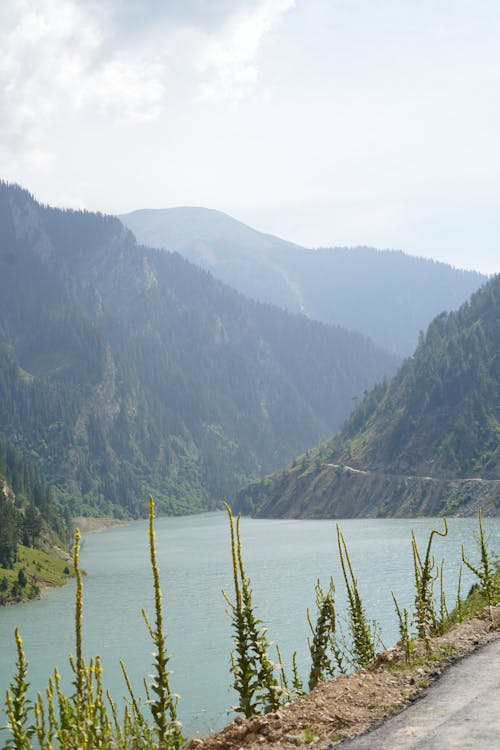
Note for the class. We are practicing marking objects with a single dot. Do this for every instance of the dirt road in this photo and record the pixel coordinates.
(461, 710)
(352, 470)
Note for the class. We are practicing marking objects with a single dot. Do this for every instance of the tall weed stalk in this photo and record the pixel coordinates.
(404, 630)
(253, 671)
(164, 706)
(363, 637)
(323, 632)
(486, 570)
(459, 602)
(18, 705)
(426, 619)
(83, 720)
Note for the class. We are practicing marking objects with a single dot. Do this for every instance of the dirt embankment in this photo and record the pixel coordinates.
(350, 704)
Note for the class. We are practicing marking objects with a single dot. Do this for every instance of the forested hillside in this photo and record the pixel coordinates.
(34, 529)
(386, 295)
(426, 441)
(29, 512)
(126, 370)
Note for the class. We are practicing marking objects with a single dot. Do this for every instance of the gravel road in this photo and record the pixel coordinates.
(460, 710)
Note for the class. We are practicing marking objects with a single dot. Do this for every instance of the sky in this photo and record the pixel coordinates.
(326, 122)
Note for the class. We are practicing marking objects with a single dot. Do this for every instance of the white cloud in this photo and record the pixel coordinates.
(130, 88)
(356, 120)
(227, 60)
(45, 55)
(63, 56)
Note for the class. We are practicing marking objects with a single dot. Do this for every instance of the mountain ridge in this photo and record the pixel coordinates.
(387, 295)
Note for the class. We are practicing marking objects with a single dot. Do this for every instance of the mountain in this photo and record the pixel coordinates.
(126, 370)
(425, 442)
(386, 295)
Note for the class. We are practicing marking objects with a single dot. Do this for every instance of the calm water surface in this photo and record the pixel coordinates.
(283, 558)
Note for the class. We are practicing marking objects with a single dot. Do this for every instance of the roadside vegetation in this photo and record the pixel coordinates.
(90, 718)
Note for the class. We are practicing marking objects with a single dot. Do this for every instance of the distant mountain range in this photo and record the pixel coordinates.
(386, 295)
(425, 442)
(126, 370)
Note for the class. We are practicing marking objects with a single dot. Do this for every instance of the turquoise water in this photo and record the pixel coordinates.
(283, 558)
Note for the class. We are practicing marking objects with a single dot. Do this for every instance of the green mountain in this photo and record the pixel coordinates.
(386, 295)
(126, 370)
(425, 442)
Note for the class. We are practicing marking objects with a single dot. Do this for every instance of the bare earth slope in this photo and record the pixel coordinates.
(352, 704)
(459, 711)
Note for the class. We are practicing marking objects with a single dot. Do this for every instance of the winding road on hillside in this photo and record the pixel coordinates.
(344, 467)
(461, 710)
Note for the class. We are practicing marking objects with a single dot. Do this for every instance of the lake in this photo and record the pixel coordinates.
(284, 559)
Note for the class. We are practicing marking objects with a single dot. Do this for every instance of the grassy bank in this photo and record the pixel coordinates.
(34, 570)
(39, 568)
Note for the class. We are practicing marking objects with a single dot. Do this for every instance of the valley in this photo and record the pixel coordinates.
(126, 370)
(249, 372)
(386, 295)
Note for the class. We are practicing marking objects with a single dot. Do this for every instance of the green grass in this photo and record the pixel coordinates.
(473, 604)
(306, 737)
(444, 651)
(41, 568)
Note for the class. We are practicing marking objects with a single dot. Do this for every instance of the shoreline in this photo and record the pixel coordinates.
(96, 524)
(87, 525)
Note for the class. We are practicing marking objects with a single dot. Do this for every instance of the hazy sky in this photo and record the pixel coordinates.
(327, 122)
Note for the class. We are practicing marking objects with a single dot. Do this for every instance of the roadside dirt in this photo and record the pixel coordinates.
(350, 704)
